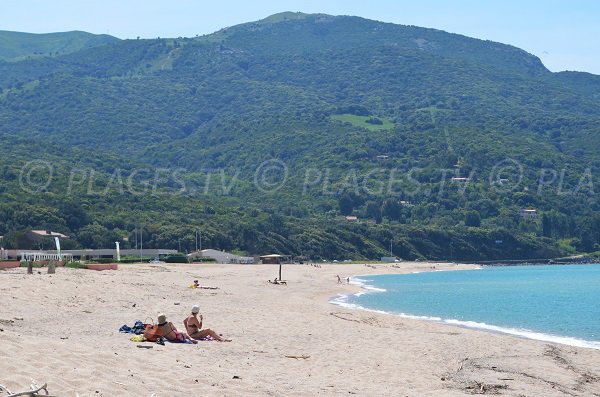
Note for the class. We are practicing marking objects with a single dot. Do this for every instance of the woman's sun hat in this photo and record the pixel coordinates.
(195, 309)
(162, 319)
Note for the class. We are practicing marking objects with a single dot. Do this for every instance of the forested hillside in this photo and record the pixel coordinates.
(265, 135)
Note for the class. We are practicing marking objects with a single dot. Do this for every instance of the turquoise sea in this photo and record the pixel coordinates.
(551, 303)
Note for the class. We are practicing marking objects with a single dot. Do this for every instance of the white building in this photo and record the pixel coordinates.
(222, 256)
(528, 214)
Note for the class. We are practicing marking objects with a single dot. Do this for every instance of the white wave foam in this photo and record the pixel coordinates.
(525, 333)
(364, 284)
(358, 281)
(342, 299)
(374, 289)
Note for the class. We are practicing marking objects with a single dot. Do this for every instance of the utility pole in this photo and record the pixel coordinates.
(141, 244)
(391, 244)
(200, 236)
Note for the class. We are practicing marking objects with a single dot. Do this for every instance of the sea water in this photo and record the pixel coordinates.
(551, 303)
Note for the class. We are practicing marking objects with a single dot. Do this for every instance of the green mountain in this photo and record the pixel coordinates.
(17, 46)
(266, 134)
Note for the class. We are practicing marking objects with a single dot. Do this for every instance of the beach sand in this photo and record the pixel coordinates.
(287, 340)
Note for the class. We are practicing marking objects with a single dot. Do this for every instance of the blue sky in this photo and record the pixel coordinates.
(564, 34)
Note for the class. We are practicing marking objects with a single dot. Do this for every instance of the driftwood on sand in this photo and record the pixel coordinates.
(35, 391)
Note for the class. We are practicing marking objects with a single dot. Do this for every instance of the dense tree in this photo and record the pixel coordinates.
(346, 204)
(472, 219)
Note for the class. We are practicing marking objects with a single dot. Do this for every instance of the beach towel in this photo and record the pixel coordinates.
(186, 342)
(138, 328)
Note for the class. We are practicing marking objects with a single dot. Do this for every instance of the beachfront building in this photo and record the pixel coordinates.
(39, 239)
(85, 254)
(111, 253)
(389, 259)
(35, 256)
(275, 259)
(221, 256)
(46, 233)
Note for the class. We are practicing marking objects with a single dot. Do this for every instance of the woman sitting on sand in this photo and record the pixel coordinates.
(168, 331)
(194, 327)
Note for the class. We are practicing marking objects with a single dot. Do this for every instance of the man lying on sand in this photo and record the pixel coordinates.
(196, 284)
(168, 331)
(277, 281)
(194, 327)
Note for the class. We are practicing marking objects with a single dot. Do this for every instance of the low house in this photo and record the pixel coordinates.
(221, 256)
(275, 259)
(47, 233)
(352, 218)
(41, 239)
(389, 259)
(36, 256)
(528, 214)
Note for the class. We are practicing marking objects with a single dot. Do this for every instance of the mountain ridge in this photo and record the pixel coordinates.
(408, 36)
(15, 46)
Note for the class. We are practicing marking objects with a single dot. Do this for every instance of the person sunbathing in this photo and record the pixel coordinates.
(196, 284)
(168, 331)
(278, 282)
(193, 326)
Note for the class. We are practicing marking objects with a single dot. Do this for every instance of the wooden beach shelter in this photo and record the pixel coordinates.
(276, 259)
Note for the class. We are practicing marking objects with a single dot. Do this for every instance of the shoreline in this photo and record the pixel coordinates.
(365, 288)
(287, 339)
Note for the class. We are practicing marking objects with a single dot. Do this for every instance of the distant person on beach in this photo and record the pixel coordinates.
(339, 279)
(193, 326)
(196, 284)
(168, 331)
(278, 282)
(348, 280)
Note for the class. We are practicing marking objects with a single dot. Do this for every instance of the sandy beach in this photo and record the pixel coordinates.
(287, 340)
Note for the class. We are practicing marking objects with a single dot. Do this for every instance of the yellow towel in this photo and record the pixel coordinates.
(138, 338)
